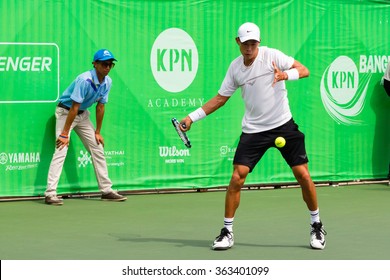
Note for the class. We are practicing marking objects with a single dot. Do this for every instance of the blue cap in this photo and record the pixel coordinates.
(103, 55)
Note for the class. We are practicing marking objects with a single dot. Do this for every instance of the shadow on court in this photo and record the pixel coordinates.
(197, 243)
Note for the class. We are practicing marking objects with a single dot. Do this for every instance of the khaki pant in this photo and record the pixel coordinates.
(84, 128)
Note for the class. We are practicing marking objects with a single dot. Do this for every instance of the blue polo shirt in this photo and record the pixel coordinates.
(86, 90)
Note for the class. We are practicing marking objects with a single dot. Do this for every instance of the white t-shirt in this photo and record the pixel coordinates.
(266, 106)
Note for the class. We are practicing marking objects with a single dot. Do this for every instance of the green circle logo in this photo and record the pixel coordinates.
(174, 60)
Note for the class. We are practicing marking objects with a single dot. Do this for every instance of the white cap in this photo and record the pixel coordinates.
(248, 31)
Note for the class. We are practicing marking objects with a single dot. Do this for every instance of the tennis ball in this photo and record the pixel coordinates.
(280, 142)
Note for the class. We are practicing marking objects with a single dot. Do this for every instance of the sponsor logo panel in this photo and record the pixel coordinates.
(227, 152)
(344, 86)
(31, 72)
(173, 155)
(114, 158)
(19, 161)
(174, 60)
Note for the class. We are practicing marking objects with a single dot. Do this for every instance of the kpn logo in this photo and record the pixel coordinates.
(342, 92)
(174, 60)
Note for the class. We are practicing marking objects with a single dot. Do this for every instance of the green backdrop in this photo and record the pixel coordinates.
(172, 57)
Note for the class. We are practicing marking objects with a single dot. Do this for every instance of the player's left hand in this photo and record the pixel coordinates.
(99, 139)
(278, 75)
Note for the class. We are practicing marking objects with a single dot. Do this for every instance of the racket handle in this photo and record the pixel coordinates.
(181, 134)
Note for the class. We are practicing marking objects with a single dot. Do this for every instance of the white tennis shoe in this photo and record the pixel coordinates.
(317, 236)
(224, 240)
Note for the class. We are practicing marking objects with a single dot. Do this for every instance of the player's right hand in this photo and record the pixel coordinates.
(185, 124)
(278, 74)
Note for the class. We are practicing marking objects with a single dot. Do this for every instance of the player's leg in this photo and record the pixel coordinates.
(249, 151)
(86, 131)
(308, 188)
(317, 232)
(225, 239)
(294, 152)
(233, 193)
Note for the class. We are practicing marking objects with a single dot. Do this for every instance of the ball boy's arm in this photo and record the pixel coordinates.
(100, 109)
(63, 139)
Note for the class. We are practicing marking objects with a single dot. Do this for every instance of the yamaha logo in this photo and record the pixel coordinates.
(3, 158)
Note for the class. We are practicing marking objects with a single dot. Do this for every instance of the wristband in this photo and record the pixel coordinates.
(63, 136)
(292, 74)
(197, 115)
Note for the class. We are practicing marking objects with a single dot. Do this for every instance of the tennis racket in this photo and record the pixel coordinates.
(182, 135)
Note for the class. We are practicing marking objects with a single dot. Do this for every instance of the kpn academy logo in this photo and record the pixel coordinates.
(174, 60)
(344, 88)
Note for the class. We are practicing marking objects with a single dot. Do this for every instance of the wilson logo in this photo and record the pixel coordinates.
(173, 152)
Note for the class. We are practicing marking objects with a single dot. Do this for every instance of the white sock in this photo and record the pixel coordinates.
(228, 223)
(315, 216)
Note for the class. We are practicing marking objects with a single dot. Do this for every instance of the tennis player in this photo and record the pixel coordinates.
(261, 73)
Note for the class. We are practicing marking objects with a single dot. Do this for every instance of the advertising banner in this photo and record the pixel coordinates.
(172, 57)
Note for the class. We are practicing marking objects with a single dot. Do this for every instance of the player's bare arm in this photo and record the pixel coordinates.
(297, 71)
(302, 70)
(211, 106)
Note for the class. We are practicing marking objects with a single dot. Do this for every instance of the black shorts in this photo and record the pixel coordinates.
(252, 147)
(386, 85)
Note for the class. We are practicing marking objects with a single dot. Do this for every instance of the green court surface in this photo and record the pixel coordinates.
(270, 224)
